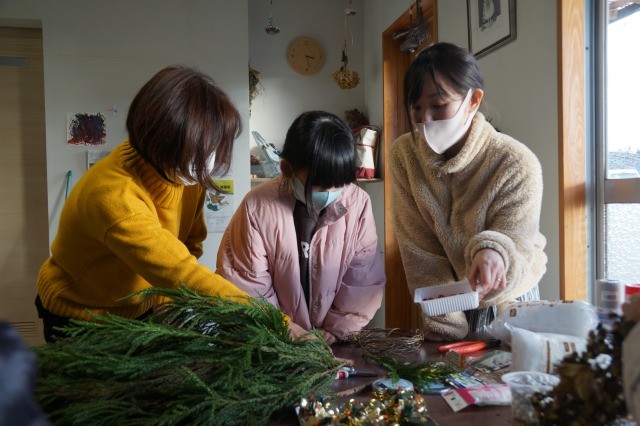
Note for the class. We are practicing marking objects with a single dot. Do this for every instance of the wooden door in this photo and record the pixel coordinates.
(400, 311)
(24, 234)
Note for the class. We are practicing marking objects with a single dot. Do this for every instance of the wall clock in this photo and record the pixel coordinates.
(305, 55)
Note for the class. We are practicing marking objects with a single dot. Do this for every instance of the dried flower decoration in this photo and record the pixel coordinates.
(355, 118)
(346, 79)
(255, 87)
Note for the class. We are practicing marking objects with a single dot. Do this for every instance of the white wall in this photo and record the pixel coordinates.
(286, 93)
(378, 16)
(521, 91)
(98, 54)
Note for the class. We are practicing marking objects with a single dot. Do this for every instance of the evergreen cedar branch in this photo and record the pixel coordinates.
(197, 360)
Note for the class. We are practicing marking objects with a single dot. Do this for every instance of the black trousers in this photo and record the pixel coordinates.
(53, 322)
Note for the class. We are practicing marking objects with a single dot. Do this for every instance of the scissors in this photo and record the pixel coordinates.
(348, 371)
(469, 346)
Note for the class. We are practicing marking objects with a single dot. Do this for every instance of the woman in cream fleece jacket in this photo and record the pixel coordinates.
(466, 198)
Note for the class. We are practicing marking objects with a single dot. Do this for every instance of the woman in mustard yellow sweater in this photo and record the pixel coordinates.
(135, 219)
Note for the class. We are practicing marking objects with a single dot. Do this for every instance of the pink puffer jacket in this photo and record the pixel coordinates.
(259, 254)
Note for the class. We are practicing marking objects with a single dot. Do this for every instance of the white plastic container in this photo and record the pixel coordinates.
(441, 299)
(523, 385)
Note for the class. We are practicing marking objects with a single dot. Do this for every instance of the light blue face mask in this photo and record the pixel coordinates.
(320, 199)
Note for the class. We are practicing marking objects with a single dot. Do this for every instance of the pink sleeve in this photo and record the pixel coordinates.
(242, 258)
(360, 294)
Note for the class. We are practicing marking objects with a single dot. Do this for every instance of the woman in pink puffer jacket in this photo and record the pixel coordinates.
(306, 239)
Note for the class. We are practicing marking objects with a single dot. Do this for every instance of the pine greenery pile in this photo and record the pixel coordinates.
(198, 360)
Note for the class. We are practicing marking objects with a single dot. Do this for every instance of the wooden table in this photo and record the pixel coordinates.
(438, 408)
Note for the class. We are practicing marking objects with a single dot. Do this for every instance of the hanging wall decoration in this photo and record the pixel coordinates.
(417, 32)
(86, 129)
(344, 78)
(255, 87)
(270, 28)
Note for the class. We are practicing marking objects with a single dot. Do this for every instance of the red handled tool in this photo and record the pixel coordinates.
(346, 372)
(468, 347)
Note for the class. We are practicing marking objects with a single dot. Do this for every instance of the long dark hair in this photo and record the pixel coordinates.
(179, 119)
(443, 62)
(322, 144)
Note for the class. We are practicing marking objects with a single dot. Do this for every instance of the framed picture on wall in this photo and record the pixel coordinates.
(491, 24)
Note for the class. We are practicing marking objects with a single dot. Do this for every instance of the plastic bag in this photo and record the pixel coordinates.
(366, 138)
(541, 352)
(573, 318)
(494, 394)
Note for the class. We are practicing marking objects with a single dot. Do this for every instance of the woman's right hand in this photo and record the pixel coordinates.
(487, 269)
(330, 338)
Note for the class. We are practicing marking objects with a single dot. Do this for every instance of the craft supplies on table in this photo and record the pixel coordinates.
(346, 372)
(609, 295)
(523, 385)
(493, 394)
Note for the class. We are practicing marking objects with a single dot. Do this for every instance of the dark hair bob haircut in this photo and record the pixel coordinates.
(322, 144)
(179, 119)
(444, 63)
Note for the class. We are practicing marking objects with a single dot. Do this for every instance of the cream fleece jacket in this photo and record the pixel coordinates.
(631, 371)
(445, 211)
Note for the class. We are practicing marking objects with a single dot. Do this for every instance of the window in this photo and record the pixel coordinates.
(617, 91)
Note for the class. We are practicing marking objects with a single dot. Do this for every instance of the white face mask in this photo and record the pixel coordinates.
(188, 181)
(441, 135)
(320, 199)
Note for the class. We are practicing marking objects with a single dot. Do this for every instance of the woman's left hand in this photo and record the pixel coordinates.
(487, 270)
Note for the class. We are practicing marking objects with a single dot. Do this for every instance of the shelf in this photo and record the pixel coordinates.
(260, 180)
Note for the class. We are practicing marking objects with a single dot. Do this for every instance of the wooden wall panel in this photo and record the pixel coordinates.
(24, 232)
(571, 149)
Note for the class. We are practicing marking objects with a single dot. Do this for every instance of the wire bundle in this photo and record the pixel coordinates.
(378, 342)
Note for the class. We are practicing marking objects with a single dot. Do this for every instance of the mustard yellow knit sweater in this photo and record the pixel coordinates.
(123, 229)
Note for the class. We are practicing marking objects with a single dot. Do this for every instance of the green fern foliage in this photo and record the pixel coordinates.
(421, 375)
(198, 360)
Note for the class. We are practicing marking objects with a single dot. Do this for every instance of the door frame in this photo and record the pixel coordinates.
(398, 300)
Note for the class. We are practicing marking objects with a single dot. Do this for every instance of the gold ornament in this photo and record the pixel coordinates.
(388, 407)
